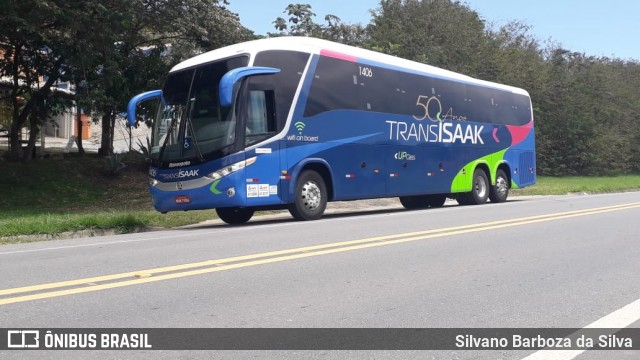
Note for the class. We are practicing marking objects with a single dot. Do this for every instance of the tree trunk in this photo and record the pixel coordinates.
(15, 146)
(79, 132)
(130, 128)
(29, 152)
(14, 141)
(112, 122)
(105, 141)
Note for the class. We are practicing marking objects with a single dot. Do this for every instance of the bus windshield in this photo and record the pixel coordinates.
(191, 123)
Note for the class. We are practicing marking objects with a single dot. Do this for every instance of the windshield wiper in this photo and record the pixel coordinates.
(194, 138)
(166, 139)
(191, 130)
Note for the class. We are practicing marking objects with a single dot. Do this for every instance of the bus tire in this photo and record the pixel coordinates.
(423, 201)
(500, 191)
(479, 192)
(481, 186)
(310, 197)
(235, 215)
(436, 200)
(464, 199)
(412, 202)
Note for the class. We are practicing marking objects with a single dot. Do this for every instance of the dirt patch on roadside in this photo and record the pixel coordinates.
(364, 204)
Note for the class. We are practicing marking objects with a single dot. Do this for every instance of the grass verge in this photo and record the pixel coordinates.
(21, 224)
(579, 185)
(54, 196)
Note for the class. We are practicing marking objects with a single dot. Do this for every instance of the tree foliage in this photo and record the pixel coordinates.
(442, 33)
(110, 50)
(586, 108)
(301, 23)
(29, 33)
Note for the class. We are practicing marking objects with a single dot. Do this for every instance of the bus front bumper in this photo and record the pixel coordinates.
(197, 194)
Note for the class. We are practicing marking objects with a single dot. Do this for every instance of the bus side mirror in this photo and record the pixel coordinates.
(131, 108)
(231, 78)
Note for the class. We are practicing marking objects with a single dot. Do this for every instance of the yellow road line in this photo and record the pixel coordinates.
(210, 266)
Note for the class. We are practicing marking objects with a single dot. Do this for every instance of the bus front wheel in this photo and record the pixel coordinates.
(310, 197)
(235, 215)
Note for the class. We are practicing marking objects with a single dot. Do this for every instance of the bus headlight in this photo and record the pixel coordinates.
(228, 170)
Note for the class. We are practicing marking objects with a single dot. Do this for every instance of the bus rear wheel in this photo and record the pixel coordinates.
(500, 191)
(423, 201)
(310, 197)
(480, 190)
(235, 215)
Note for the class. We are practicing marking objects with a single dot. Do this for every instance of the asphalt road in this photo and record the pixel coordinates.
(544, 262)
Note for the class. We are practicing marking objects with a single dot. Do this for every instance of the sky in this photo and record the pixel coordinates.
(601, 28)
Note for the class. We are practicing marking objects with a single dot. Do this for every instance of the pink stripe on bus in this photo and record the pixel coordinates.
(337, 55)
(519, 133)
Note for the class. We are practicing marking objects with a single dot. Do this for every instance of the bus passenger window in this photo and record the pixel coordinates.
(261, 120)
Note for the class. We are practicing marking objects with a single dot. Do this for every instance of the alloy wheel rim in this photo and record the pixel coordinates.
(501, 186)
(481, 187)
(311, 195)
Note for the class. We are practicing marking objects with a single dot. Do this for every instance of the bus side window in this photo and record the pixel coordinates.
(481, 104)
(522, 106)
(505, 110)
(261, 119)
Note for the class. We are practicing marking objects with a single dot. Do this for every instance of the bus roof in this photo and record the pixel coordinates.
(325, 47)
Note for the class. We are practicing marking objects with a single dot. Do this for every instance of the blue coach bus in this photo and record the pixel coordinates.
(292, 123)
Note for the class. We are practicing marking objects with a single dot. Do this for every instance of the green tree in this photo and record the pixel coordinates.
(29, 34)
(614, 109)
(147, 40)
(301, 23)
(517, 58)
(587, 126)
(441, 33)
(344, 33)
(110, 49)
